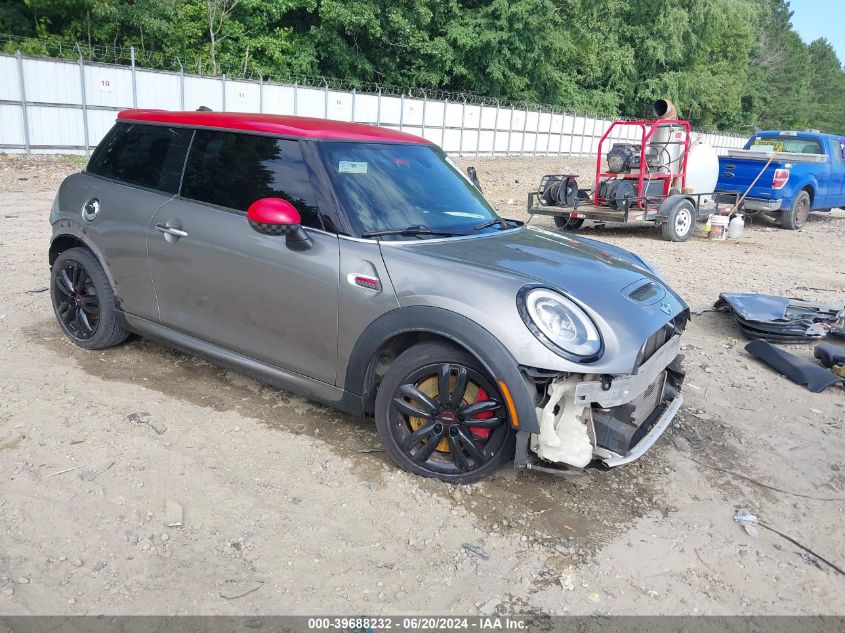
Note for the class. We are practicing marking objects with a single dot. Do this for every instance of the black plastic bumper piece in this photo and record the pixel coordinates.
(798, 370)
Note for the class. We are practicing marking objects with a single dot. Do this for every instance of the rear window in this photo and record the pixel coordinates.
(786, 144)
(234, 170)
(149, 156)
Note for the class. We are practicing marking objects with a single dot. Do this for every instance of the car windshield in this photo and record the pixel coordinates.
(786, 144)
(413, 190)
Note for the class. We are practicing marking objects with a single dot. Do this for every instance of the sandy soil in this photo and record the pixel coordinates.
(289, 507)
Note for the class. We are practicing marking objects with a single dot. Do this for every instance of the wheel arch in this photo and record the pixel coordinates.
(62, 243)
(394, 332)
(67, 235)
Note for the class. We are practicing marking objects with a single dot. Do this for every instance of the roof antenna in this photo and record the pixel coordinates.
(204, 109)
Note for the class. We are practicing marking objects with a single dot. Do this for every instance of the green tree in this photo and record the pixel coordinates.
(826, 107)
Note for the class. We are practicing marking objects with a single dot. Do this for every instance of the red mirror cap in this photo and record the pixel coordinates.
(273, 211)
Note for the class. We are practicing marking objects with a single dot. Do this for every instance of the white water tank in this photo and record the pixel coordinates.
(702, 169)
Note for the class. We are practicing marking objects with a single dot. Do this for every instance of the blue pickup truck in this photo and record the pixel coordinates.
(807, 174)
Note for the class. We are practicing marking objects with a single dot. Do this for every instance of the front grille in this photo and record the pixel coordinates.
(618, 429)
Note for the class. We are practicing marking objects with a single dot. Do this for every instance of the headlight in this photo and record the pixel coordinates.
(560, 324)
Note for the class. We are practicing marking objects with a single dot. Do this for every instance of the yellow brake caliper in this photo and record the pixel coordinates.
(429, 388)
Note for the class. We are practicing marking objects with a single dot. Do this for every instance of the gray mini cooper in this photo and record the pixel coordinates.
(358, 267)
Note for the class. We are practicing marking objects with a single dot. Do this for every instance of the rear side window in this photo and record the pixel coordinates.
(234, 170)
(787, 144)
(144, 155)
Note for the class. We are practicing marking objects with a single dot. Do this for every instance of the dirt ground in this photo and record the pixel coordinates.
(289, 507)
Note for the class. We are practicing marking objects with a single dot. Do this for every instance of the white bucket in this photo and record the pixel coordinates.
(718, 227)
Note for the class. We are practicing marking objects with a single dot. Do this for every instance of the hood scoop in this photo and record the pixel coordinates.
(644, 291)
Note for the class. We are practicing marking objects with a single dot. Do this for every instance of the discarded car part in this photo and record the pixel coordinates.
(832, 357)
(780, 319)
(798, 370)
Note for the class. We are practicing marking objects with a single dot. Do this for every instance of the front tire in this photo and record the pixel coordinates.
(83, 300)
(796, 216)
(440, 415)
(679, 224)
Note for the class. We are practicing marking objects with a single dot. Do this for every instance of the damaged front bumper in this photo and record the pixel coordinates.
(604, 421)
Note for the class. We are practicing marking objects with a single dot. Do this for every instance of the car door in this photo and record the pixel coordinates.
(836, 195)
(134, 170)
(220, 281)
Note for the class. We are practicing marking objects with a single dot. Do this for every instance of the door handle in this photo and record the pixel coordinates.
(161, 228)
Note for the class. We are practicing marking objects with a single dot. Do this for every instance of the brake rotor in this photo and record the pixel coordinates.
(429, 387)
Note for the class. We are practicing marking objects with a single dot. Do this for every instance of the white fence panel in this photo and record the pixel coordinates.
(67, 106)
(11, 125)
(158, 90)
(9, 81)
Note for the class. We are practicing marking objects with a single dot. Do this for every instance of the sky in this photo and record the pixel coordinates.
(821, 18)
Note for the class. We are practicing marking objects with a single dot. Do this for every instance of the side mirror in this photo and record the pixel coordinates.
(274, 216)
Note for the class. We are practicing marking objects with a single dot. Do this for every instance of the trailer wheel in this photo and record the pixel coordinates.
(568, 224)
(679, 224)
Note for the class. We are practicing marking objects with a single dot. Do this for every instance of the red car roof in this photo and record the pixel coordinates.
(298, 126)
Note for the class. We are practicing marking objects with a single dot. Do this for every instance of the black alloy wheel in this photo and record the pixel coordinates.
(77, 303)
(446, 419)
(84, 301)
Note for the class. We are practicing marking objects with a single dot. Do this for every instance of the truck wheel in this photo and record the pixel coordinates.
(680, 222)
(796, 216)
(568, 224)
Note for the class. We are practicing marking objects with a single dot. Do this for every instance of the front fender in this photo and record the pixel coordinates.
(489, 351)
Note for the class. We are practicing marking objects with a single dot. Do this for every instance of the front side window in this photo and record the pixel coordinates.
(391, 186)
(149, 156)
(234, 170)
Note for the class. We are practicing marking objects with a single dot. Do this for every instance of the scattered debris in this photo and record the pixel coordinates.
(682, 444)
(233, 589)
(748, 521)
(832, 357)
(144, 417)
(489, 607)
(475, 550)
(761, 484)
(172, 513)
(37, 290)
(91, 475)
(799, 370)
(780, 319)
(62, 472)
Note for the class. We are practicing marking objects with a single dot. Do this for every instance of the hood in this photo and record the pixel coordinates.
(583, 269)
(479, 277)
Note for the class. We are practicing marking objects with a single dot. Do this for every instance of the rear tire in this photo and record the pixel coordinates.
(568, 224)
(796, 216)
(83, 300)
(679, 224)
(459, 434)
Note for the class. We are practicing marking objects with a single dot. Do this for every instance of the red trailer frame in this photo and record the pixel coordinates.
(647, 128)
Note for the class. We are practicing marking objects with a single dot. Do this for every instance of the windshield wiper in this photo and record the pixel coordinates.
(409, 231)
(496, 220)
